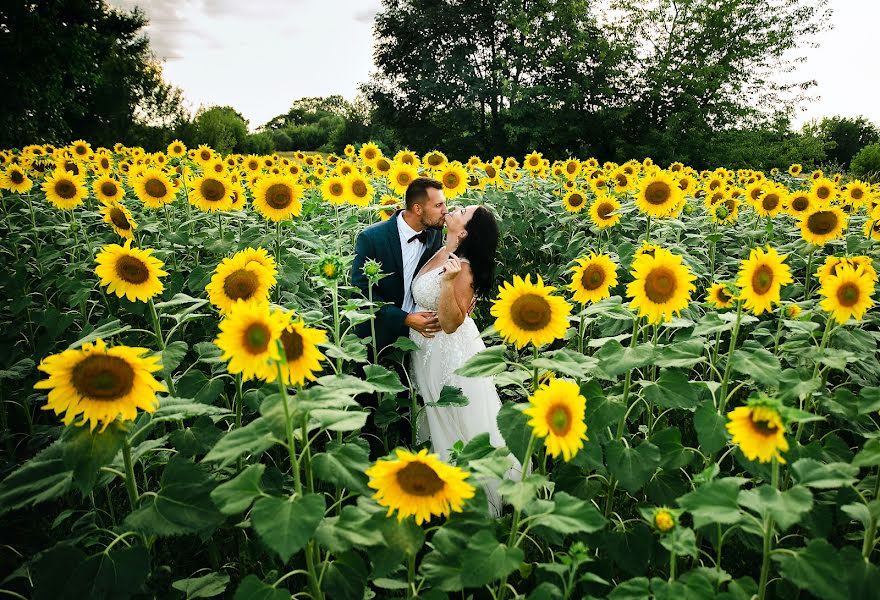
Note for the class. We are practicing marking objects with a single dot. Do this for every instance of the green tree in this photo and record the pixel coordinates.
(844, 137)
(77, 69)
(221, 127)
(866, 164)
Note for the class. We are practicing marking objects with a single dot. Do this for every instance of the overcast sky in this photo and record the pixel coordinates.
(258, 56)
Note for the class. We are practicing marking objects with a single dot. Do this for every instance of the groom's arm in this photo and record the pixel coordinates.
(389, 314)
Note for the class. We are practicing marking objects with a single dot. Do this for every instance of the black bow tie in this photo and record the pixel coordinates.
(422, 236)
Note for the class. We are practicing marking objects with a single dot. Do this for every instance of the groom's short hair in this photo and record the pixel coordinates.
(417, 190)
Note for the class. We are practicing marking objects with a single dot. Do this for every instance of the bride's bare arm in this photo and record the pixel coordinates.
(456, 294)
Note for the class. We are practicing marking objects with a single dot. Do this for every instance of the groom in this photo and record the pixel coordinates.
(402, 244)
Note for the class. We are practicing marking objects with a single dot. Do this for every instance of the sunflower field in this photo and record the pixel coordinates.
(688, 363)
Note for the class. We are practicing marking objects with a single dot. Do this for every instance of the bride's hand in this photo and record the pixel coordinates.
(451, 268)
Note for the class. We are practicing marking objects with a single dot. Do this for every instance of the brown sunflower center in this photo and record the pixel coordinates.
(65, 189)
(722, 296)
(770, 201)
(604, 210)
(571, 168)
(369, 154)
(104, 163)
(490, 171)
(241, 284)
(823, 192)
(593, 277)
(764, 427)
(822, 222)
(533, 161)
(683, 184)
(657, 193)
(714, 184)
(383, 165)
(403, 178)
(102, 377)
(278, 196)
(531, 312)
(575, 200)
(660, 285)
(155, 188)
(800, 203)
(621, 179)
(762, 279)
(848, 294)
(256, 338)
(212, 190)
(205, 155)
(16, 177)
(117, 216)
(359, 188)
(108, 188)
(293, 345)
(336, 189)
(451, 180)
(857, 193)
(418, 479)
(219, 168)
(559, 419)
(132, 269)
(253, 165)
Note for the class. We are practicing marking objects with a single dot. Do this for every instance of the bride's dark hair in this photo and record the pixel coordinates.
(479, 248)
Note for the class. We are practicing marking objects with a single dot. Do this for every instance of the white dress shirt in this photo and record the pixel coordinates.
(411, 252)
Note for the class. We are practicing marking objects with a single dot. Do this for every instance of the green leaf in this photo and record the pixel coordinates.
(287, 525)
(254, 438)
(638, 588)
(85, 452)
(814, 474)
(339, 420)
(566, 514)
(672, 390)
(352, 350)
(566, 362)
(818, 569)
(252, 588)
(404, 535)
(711, 324)
(105, 331)
(615, 359)
(172, 356)
(182, 505)
(44, 477)
(835, 358)
(485, 560)
(65, 572)
(521, 493)
(450, 396)
(869, 455)
(485, 363)
(343, 464)
(18, 371)
(633, 467)
(352, 528)
(869, 400)
(682, 355)
(383, 380)
(196, 385)
(178, 409)
(795, 385)
(345, 577)
(714, 502)
(786, 507)
(207, 586)
(680, 541)
(514, 427)
(236, 495)
(710, 426)
(757, 363)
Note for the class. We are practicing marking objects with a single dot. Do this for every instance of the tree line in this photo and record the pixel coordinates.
(698, 81)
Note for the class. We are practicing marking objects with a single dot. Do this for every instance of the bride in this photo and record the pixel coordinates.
(449, 284)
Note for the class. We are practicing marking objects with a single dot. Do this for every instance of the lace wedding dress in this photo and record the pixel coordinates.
(433, 366)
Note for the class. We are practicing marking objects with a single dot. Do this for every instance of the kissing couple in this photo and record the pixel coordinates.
(430, 289)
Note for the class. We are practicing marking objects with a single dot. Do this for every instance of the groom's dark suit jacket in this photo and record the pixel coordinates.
(381, 242)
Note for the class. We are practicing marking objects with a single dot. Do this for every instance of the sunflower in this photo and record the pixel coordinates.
(795, 170)
(725, 212)
(391, 205)
(822, 225)
(176, 149)
(493, 175)
(370, 153)
(658, 195)
(103, 163)
(239, 196)
(533, 162)
(686, 183)
(153, 187)
(664, 520)
(771, 201)
(277, 197)
(419, 485)
(330, 267)
(63, 190)
(761, 277)
(557, 415)
(239, 278)
(15, 179)
(603, 211)
(871, 229)
(454, 179)
(592, 278)
(358, 190)
(108, 189)
(203, 154)
(301, 355)
(333, 189)
(435, 160)
(119, 218)
(855, 193)
(81, 149)
(846, 294)
(758, 430)
(527, 313)
(101, 383)
(211, 192)
(249, 334)
(130, 272)
(719, 296)
(574, 201)
(407, 157)
(798, 203)
(349, 150)
(622, 182)
(662, 285)
(823, 190)
(259, 256)
(401, 175)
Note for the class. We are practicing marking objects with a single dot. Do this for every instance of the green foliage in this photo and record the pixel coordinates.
(866, 163)
(844, 137)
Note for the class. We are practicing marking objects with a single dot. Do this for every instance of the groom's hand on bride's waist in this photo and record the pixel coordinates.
(425, 322)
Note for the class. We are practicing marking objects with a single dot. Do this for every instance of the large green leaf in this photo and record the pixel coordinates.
(814, 474)
(343, 464)
(633, 467)
(460, 560)
(818, 569)
(286, 525)
(869, 455)
(787, 508)
(615, 359)
(352, 528)
(672, 390)
(520, 493)
(383, 380)
(206, 586)
(682, 355)
(66, 573)
(566, 362)
(711, 324)
(757, 363)
(710, 426)
(253, 438)
(252, 588)
(44, 477)
(485, 363)
(85, 452)
(681, 541)
(450, 396)
(714, 502)
(182, 505)
(566, 514)
(177, 409)
(172, 356)
(236, 495)
(514, 427)
(346, 577)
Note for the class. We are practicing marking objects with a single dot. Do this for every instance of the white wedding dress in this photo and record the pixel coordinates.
(433, 366)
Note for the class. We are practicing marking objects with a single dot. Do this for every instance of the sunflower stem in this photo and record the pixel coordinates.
(809, 272)
(672, 558)
(160, 341)
(334, 291)
(130, 483)
(871, 530)
(722, 398)
(278, 258)
(288, 425)
(535, 377)
(512, 542)
(239, 401)
(768, 534)
(373, 342)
